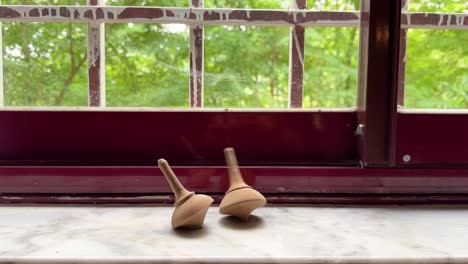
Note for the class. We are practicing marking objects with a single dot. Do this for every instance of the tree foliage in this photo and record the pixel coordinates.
(45, 64)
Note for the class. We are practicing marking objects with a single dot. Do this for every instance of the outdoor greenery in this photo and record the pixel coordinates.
(45, 64)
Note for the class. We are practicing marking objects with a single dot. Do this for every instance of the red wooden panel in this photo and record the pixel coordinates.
(432, 138)
(183, 137)
(212, 179)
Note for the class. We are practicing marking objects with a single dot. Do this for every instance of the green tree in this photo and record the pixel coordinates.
(148, 64)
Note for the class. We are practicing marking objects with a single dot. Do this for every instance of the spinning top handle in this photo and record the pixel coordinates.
(179, 191)
(235, 177)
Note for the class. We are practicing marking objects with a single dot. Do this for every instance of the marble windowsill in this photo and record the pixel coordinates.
(85, 234)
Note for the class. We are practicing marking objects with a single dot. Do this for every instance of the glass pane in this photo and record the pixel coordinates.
(44, 64)
(444, 6)
(270, 4)
(147, 65)
(246, 66)
(43, 2)
(436, 69)
(177, 3)
(285, 4)
(330, 67)
(344, 5)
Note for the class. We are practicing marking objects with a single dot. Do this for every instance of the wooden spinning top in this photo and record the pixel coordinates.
(190, 208)
(240, 199)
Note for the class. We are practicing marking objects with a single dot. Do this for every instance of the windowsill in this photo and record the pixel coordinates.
(104, 234)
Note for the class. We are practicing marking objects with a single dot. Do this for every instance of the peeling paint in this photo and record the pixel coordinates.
(298, 50)
(60, 12)
(170, 15)
(93, 46)
(193, 68)
(441, 19)
(434, 20)
(203, 16)
(459, 19)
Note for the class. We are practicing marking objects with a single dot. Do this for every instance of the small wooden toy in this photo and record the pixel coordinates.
(240, 199)
(190, 208)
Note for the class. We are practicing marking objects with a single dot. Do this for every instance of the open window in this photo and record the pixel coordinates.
(308, 93)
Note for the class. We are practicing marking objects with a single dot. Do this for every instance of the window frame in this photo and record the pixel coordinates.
(364, 156)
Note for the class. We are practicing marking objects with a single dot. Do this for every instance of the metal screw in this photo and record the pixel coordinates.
(406, 158)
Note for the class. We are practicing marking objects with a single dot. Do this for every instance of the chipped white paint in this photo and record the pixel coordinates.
(93, 45)
(196, 75)
(225, 14)
(24, 11)
(182, 16)
(179, 14)
(173, 15)
(298, 49)
(96, 52)
(441, 19)
(459, 19)
(193, 73)
(115, 11)
(295, 82)
(295, 13)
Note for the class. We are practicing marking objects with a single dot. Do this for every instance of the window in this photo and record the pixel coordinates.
(289, 149)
